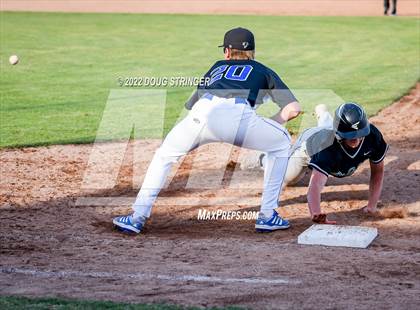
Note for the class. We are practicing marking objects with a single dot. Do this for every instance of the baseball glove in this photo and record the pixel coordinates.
(319, 218)
(322, 219)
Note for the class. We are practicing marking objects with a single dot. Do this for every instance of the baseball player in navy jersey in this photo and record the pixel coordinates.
(336, 148)
(223, 110)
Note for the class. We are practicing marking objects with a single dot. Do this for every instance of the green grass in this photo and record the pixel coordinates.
(14, 302)
(69, 63)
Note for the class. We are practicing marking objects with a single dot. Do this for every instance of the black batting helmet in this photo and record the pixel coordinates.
(350, 121)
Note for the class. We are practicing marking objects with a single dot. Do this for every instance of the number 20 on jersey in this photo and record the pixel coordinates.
(234, 72)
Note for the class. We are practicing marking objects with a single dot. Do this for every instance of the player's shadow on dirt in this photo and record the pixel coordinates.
(388, 197)
(175, 228)
(403, 142)
(339, 196)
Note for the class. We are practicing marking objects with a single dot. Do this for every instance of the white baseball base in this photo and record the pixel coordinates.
(338, 235)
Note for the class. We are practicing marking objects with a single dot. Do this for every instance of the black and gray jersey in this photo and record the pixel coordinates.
(331, 157)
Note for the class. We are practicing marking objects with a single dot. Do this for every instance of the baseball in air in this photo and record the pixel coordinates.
(13, 60)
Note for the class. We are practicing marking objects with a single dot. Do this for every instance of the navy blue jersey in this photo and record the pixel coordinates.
(246, 79)
(337, 160)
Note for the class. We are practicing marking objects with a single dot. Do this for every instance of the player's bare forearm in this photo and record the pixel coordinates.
(316, 184)
(288, 113)
(375, 185)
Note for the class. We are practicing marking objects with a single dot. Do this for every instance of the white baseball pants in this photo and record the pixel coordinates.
(299, 158)
(215, 119)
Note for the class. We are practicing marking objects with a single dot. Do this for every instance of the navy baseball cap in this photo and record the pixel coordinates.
(240, 39)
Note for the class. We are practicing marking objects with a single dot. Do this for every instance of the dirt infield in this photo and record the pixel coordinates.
(52, 246)
(261, 7)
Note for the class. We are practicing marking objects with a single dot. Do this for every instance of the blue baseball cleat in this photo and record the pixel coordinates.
(126, 224)
(275, 222)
